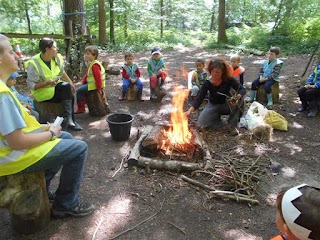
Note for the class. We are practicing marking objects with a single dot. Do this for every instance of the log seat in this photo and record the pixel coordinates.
(26, 198)
(262, 96)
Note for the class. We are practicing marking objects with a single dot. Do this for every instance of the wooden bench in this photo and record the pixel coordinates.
(262, 96)
(26, 198)
(97, 103)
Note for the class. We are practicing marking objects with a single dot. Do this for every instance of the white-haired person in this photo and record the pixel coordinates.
(298, 213)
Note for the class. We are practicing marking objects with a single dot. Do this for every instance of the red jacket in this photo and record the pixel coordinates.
(96, 71)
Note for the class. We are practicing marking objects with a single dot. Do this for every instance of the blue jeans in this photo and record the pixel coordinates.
(70, 154)
(266, 85)
(82, 92)
(210, 117)
(126, 84)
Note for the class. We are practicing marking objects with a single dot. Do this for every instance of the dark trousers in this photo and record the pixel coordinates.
(266, 85)
(309, 97)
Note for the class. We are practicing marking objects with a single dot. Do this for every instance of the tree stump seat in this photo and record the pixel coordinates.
(97, 103)
(26, 198)
(48, 111)
(132, 92)
(262, 96)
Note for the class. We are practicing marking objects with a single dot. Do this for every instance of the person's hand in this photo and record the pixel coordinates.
(263, 79)
(133, 80)
(29, 107)
(238, 97)
(28, 111)
(51, 82)
(55, 129)
(154, 75)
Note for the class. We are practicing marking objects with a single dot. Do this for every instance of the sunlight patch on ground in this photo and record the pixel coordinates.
(288, 172)
(293, 148)
(239, 234)
(95, 125)
(296, 125)
(260, 61)
(260, 149)
(110, 218)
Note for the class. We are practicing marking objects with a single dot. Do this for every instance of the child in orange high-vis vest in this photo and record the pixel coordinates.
(238, 71)
(298, 213)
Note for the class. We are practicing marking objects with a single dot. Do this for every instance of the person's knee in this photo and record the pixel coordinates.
(65, 135)
(81, 146)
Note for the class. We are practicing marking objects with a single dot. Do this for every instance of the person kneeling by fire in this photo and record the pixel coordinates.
(220, 100)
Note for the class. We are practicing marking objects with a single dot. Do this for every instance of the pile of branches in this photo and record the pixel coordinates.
(233, 174)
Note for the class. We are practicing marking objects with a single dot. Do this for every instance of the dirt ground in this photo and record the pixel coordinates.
(161, 205)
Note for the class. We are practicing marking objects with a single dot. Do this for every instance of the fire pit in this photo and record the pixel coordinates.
(172, 147)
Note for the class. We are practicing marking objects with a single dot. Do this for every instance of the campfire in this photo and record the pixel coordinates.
(177, 138)
(176, 145)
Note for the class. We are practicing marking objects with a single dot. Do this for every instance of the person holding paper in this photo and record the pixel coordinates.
(49, 82)
(28, 146)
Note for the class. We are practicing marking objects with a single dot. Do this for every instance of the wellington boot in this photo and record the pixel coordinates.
(81, 107)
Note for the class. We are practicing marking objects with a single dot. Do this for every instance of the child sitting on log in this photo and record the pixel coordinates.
(130, 75)
(298, 215)
(23, 99)
(269, 75)
(198, 77)
(94, 79)
(238, 71)
(156, 71)
(309, 94)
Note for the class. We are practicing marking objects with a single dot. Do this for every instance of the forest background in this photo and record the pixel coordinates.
(137, 25)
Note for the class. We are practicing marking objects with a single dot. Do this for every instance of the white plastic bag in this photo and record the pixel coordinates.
(253, 116)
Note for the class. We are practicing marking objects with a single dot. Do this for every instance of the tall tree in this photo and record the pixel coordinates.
(161, 18)
(112, 36)
(222, 36)
(75, 27)
(102, 23)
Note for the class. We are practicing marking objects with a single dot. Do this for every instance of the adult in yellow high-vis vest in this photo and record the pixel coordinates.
(28, 146)
(49, 82)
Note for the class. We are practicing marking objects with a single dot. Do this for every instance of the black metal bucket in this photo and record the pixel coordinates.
(120, 126)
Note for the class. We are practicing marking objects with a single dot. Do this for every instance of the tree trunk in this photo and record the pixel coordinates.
(222, 36)
(102, 23)
(278, 18)
(75, 26)
(161, 18)
(212, 19)
(28, 18)
(112, 38)
(125, 23)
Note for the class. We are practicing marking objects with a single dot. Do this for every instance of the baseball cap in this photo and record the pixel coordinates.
(14, 75)
(155, 51)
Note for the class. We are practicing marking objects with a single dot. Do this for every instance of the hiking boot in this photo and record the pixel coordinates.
(312, 113)
(83, 209)
(153, 96)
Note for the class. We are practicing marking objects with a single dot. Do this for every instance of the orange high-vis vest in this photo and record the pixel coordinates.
(238, 71)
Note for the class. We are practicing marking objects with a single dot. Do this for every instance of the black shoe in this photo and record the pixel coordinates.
(51, 196)
(76, 127)
(83, 209)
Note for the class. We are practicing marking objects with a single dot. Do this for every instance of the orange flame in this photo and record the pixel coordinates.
(179, 132)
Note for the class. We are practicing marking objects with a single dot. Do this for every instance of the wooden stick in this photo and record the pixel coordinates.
(132, 228)
(222, 194)
(181, 230)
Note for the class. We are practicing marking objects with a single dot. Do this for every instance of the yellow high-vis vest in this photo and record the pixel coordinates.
(14, 161)
(46, 74)
(90, 78)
